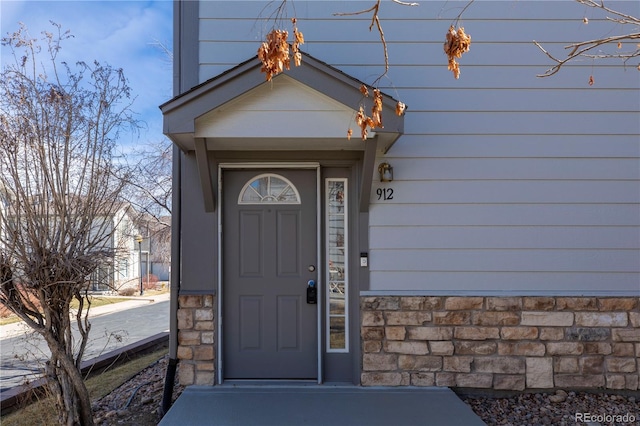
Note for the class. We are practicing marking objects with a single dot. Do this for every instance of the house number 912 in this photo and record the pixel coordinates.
(385, 194)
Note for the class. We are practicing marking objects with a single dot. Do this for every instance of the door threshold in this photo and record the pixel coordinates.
(268, 382)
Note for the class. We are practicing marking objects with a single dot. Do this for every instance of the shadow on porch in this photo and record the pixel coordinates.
(318, 405)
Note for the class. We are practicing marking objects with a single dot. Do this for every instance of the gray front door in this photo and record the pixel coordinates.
(269, 255)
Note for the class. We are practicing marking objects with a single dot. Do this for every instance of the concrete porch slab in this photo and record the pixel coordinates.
(318, 405)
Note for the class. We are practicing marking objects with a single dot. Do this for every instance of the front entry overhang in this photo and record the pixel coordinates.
(307, 108)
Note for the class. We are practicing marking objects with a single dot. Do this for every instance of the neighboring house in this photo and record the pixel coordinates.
(504, 253)
(124, 271)
(156, 246)
(120, 271)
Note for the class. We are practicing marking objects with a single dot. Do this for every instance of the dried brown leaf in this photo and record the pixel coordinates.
(298, 39)
(365, 122)
(362, 121)
(457, 42)
(376, 109)
(361, 117)
(370, 122)
(274, 52)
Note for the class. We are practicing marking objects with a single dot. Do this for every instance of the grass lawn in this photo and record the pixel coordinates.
(97, 300)
(42, 412)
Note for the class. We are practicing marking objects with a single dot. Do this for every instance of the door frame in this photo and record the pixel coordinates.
(319, 284)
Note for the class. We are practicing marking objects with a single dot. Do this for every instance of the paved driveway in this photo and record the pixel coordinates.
(23, 352)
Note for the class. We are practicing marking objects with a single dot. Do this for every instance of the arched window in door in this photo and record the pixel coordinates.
(269, 188)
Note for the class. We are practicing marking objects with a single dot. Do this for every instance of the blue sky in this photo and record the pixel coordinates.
(124, 34)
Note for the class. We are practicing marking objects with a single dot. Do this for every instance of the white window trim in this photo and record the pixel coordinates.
(346, 267)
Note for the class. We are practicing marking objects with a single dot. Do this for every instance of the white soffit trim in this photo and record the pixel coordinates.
(280, 109)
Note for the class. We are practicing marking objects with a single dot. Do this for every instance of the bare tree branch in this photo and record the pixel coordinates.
(60, 193)
(375, 20)
(149, 192)
(582, 49)
(404, 3)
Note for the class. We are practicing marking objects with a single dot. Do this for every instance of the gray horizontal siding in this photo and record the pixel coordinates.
(505, 237)
(523, 122)
(518, 215)
(369, 53)
(557, 31)
(512, 191)
(538, 100)
(504, 182)
(255, 11)
(525, 146)
(505, 283)
(476, 78)
(426, 169)
(504, 260)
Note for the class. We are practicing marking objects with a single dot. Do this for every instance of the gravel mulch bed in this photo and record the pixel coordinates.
(137, 402)
(559, 409)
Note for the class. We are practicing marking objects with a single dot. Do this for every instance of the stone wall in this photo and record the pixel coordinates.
(196, 340)
(502, 343)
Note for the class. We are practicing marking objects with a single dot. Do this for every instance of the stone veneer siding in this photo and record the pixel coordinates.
(196, 340)
(501, 343)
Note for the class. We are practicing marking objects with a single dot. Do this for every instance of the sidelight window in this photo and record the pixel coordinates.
(336, 265)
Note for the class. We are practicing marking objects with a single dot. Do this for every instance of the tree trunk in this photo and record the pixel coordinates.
(72, 396)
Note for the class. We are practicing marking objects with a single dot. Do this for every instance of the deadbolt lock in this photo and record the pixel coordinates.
(312, 293)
